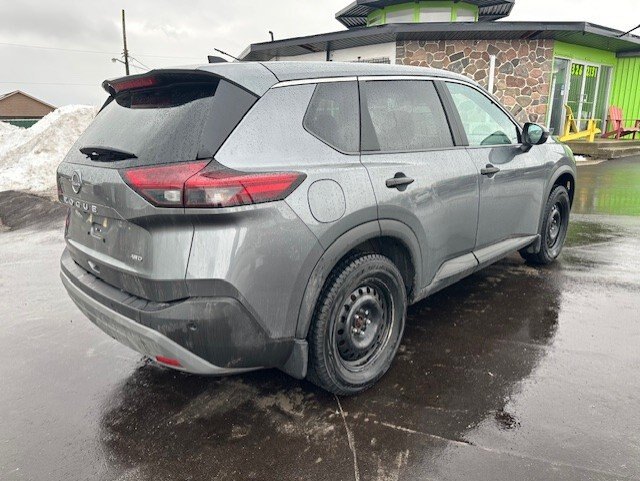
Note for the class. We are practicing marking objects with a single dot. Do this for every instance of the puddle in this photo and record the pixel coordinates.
(585, 233)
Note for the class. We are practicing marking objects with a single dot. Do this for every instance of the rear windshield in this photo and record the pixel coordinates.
(175, 123)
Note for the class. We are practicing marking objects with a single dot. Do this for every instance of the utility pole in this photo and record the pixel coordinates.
(124, 39)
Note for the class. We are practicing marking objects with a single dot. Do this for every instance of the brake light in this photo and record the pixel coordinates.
(162, 185)
(190, 185)
(133, 83)
(228, 189)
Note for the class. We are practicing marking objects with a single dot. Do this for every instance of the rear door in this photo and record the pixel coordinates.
(419, 176)
(512, 182)
(167, 118)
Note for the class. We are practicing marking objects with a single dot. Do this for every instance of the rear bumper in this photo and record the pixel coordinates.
(138, 337)
(207, 335)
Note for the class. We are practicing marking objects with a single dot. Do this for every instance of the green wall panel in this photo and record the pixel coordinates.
(626, 87)
(588, 54)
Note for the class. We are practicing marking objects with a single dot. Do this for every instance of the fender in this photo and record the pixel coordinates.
(337, 250)
(563, 167)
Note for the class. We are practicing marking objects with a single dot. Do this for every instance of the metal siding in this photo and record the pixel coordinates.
(626, 87)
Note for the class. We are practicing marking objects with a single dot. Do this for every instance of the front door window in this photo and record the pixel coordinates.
(484, 122)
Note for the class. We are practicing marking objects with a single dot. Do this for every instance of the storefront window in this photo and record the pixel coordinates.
(400, 16)
(435, 14)
(465, 15)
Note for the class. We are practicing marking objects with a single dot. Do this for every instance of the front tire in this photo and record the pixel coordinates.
(357, 325)
(555, 226)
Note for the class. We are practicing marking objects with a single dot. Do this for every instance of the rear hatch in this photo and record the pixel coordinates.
(168, 119)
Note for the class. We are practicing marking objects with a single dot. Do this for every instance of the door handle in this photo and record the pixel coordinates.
(490, 170)
(400, 182)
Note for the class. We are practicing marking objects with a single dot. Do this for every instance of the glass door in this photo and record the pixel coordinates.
(584, 88)
(602, 103)
(589, 95)
(576, 86)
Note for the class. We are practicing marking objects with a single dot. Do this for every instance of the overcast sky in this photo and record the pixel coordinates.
(170, 32)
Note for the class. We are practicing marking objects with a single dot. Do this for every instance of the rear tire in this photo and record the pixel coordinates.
(357, 325)
(554, 228)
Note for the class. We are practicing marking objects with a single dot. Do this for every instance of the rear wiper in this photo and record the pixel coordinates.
(106, 154)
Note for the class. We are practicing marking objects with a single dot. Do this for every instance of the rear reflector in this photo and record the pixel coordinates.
(167, 361)
(191, 185)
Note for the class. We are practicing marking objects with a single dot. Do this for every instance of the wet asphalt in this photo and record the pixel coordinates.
(514, 373)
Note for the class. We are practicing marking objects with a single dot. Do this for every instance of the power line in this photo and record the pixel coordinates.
(627, 33)
(135, 59)
(101, 52)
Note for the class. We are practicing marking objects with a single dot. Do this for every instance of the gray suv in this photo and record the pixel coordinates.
(232, 217)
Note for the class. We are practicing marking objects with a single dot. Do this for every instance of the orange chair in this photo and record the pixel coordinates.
(617, 121)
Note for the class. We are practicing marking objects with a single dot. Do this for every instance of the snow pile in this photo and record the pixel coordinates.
(29, 157)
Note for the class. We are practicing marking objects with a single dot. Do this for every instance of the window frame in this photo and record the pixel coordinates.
(359, 114)
(364, 112)
(458, 133)
(458, 120)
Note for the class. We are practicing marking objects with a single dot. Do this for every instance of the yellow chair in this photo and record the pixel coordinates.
(571, 131)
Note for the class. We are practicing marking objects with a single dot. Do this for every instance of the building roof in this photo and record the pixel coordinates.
(20, 92)
(355, 15)
(578, 33)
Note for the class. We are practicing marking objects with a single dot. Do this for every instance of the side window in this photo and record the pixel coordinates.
(402, 116)
(483, 121)
(333, 115)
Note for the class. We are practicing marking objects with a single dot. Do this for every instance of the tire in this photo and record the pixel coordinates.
(357, 325)
(555, 226)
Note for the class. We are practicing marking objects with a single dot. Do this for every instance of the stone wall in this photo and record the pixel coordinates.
(522, 75)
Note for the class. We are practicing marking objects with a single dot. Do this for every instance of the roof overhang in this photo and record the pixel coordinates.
(355, 15)
(577, 33)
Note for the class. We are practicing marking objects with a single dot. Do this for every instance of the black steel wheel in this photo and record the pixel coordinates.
(555, 226)
(357, 325)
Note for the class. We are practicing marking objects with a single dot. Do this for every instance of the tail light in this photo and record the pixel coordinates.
(191, 185)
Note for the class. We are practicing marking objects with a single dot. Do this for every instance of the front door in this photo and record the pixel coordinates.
(418, 175)
(583, 92)
(511, 181)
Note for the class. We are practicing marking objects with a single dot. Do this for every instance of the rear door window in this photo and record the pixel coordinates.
(173, 123)
(333, 115)
(402, 116)
(484, 122)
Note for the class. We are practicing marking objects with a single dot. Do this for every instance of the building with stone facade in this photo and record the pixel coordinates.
(534, 68)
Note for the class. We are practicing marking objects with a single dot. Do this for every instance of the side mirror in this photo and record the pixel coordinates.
(533, 134)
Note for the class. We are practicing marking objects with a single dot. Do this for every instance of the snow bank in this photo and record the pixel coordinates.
(29, 157)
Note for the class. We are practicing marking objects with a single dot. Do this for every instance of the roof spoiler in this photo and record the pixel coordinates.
(156, 78)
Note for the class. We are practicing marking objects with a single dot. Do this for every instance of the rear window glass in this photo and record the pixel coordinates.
(173, 123)
(402, 116)
(333, 115)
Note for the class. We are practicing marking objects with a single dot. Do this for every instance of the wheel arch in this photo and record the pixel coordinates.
(387, 237)
(564, 175)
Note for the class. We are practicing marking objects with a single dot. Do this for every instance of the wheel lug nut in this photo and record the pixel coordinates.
(368, 321)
